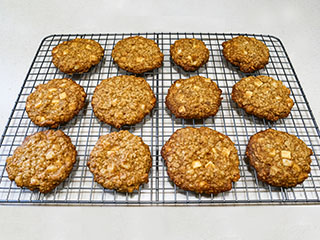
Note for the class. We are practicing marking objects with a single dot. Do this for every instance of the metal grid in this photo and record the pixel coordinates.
(85, 129)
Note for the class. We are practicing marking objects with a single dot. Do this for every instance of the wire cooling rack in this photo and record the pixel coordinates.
(157, 127)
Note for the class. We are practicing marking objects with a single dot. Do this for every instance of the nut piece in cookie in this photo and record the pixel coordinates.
(43, 161)
(201, 160)
(263, 97)
(137, 54)
(120, 161)
(249, 54)
(55, 102)
(123, 100)
(194, 98)
(77, 55)
(280, 159)
(190, 54)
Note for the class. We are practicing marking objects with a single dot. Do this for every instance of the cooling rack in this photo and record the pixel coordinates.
(84, 130)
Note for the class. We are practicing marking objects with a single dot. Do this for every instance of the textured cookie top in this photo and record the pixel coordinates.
(249, 54)
(196, 97)
(77, 55)
(190, 54)
(263, 97)
(201, 160)
(120, 161)
(122, 100)
(280, 159)
(55, 102)
(43, 161)
(137, 54)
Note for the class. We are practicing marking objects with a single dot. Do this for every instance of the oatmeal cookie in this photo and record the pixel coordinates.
(123, 100)
(280, 159)
(77, 55)
(137, 54)
(55, 102)
(194, 98)
(263, 97)
(43, 161)
(190, 54)
(249, 54)
(201, 160)
(120, 161)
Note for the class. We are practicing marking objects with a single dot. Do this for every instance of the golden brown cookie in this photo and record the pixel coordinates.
(201, 160)
(123, 100)
(194, 98)
(43, 161)
(77, 55)
(263, 97)
(190, 54)
(137, 54)
(249, 54)
(280, 159)
(120, 161)
(55, 102)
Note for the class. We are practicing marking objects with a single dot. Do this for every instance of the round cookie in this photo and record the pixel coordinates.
(249, 54)
(77, 55)
(263, 97)
(55, 102)
(137, 54)
(120, 161)
(194, 98)
(201, 160)
(280, 159)
(43, 161)
(190, 54)
(123, 100)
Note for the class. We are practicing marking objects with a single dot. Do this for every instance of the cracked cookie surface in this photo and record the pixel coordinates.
(190, 54)
(77, 55)
(120, 161)
(123, 100)
(249, 54)
(55, 102)
(280, 159)
(137, 54)
(263, 97)
(43, 161)
(194, 98)
(201, 160)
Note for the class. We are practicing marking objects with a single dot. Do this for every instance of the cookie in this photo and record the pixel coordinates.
(201, 160)
(194, 98)
(280, 159)
(137, 54)
(122, 100)
(120, 161)
(43, 161)
(77, 55)
(263, 97)
(190, 54)
(249, 54)
(55, 102)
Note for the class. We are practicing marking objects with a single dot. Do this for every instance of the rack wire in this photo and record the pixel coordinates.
(84, 130)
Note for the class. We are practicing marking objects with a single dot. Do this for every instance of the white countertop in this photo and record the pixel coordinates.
(25, 23)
